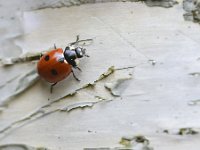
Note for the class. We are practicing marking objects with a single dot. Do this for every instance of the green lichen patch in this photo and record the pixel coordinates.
(187, 131)
(133, 141)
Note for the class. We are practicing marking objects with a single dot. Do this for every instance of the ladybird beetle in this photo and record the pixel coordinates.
(57, 64)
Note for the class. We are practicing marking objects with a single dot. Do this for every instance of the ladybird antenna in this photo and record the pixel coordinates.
(78, 41)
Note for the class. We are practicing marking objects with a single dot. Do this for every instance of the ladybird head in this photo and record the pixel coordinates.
(72, 53)
(80, 52)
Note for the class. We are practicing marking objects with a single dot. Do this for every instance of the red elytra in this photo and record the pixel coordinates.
(51, 69)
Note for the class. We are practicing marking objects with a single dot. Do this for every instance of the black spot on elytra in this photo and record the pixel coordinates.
(54, 72)
(46, 57)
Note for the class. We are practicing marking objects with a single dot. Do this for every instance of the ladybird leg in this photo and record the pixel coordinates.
(41, 55)
(74, 65)
(75, 76)
(78, 68)
(84, 52)
(54, 46)
(51, 89)
(86, 55)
